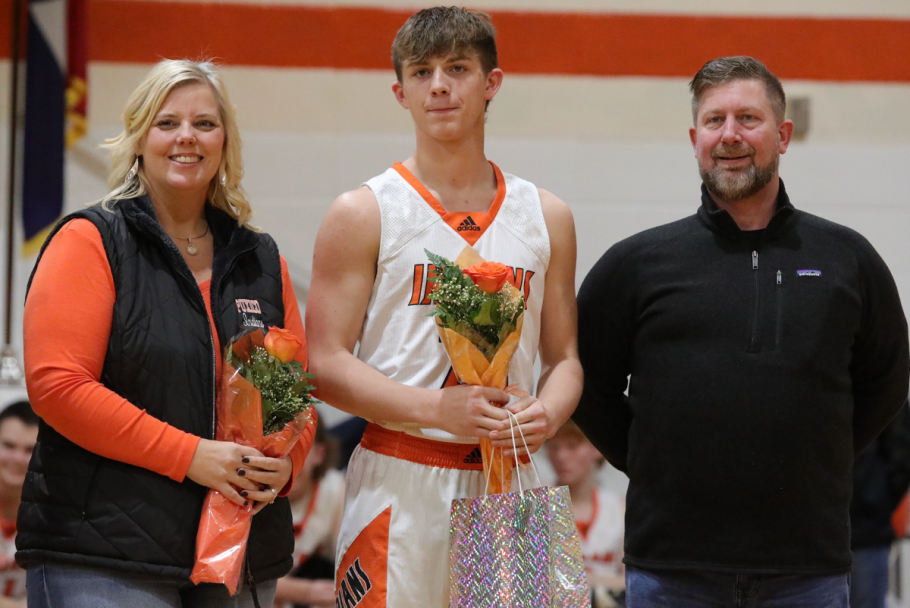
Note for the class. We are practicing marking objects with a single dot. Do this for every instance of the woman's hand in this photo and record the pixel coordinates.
(269, 475)
(215, 465)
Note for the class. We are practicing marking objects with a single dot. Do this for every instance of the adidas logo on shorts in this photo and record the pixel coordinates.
(468, 224)
(474, 457)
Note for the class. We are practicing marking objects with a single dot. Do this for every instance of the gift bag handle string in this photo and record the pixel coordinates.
(513, 426)
(514, 389)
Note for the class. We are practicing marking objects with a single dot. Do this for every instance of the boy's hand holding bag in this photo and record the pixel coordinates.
(516, 549)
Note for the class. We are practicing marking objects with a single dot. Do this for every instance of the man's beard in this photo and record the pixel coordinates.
(732, 186)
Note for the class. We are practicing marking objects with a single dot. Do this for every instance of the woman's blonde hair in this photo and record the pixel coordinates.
(141, 109)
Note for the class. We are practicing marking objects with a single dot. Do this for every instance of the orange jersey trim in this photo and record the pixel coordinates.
(469, 225)
(901, 517)
(585, 526)
(300, 526)
(423, 287)
(440, 454)
(362, 576)
(418, 285)
(7, 528)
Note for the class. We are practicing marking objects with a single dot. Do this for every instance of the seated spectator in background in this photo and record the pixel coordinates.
(18, 435)
(881, 477)
(599, 513)
(317, 505)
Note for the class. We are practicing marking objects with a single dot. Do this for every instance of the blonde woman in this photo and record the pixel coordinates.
(128, 309)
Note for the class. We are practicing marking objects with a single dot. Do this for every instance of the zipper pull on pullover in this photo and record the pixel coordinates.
(754, 260)
(778, 277)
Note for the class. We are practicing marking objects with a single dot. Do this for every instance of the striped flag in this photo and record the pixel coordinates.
(77, 71)
(55, 104)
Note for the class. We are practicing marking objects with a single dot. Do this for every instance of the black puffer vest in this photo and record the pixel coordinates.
(81, 508)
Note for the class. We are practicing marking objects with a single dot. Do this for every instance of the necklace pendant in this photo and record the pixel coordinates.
(190, 248)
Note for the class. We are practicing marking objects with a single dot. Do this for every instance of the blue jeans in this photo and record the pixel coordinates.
(695, 589)
(64, 586)
(869, 578)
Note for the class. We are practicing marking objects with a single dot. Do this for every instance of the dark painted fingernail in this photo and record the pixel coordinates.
(245, 460)
(245, 503)
(241, 472)
(243, 493)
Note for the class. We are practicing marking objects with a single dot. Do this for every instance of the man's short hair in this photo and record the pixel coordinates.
(727, 69)
(442, 30)
(21, 410)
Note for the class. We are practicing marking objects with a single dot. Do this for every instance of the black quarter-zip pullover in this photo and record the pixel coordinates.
(757, 366)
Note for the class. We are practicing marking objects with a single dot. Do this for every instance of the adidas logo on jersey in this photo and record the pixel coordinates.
(354, 586)
(468, 224)
(474, 457)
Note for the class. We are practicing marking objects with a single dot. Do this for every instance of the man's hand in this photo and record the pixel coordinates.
(534, 422)
(470, 411)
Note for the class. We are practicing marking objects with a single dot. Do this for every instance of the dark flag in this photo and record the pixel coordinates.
(55, 93)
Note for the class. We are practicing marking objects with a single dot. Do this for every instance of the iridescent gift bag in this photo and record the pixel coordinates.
(517, 550)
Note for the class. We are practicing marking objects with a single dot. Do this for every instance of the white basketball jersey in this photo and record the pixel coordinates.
(399, 339)
(12, 577)
(314, 518)
(602, 539)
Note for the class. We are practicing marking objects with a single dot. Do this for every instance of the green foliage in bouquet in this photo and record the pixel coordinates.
(483, 318)
(284, 386)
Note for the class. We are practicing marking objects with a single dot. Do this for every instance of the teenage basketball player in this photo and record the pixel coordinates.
(370, 282)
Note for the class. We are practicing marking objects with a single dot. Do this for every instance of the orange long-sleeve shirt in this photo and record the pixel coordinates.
(67, 326)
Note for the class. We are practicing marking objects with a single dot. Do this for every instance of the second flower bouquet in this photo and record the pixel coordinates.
(479, 314)
(265, 403)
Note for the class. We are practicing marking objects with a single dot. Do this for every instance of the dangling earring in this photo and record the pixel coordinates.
(223, 180)
(133, 171)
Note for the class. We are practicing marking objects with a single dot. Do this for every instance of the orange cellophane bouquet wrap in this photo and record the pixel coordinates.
(225, 526)
(474, 367)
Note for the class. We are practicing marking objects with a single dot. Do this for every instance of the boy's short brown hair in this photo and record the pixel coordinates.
(442, 30)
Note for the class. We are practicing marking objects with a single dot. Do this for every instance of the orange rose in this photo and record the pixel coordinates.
(281, 344)
(488, 276)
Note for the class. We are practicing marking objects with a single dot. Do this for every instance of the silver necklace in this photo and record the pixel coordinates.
(190, 248)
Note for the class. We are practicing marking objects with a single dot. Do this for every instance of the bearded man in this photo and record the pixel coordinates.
(762, 348)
